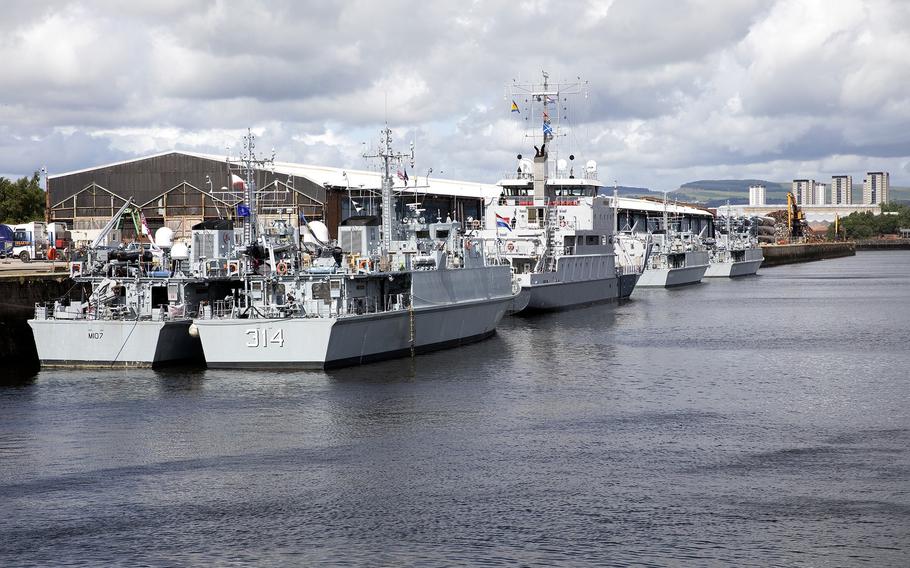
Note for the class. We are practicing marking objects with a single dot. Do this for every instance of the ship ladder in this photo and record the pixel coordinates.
(411, 331)
(552, 215)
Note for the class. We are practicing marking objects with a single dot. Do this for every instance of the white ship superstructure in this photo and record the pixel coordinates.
(555, 229)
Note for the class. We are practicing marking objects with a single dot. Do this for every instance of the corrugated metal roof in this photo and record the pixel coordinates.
(340, 177)
(343, 177)
(658, 207)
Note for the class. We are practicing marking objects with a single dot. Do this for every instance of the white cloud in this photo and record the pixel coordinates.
(678, 89)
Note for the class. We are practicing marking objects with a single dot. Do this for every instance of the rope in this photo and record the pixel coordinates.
(125, 340)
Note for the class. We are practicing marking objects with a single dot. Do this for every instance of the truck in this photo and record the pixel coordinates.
(38, 241)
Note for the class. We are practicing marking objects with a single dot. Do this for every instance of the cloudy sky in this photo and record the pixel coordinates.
(677, 90)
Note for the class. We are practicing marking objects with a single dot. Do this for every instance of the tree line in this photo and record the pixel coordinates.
(865, 225)
(21, 200)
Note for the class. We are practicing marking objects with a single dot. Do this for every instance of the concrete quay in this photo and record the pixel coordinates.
(19, 291)
(805, 252)
(883, 244)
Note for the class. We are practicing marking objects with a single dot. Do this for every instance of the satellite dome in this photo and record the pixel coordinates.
(315, 232)
(591, 166)
(561, 165)
(180, 251)
(164, 237)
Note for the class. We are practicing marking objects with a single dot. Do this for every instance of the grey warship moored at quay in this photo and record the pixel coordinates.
(557, 232)
(734, 253)
(138, 312)
(427, 286)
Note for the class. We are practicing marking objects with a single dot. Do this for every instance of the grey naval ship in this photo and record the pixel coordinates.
(676, 258)
(735, 253)
(557, 232)
(133, 306)
(426, 286)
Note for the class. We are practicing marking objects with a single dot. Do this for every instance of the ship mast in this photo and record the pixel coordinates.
(248, 163)
(386, 154)
(550, 95)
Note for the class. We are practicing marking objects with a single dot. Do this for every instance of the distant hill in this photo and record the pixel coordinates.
(625, 191)
(716, 192)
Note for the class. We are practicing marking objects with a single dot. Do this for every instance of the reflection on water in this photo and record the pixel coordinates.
(758, 422)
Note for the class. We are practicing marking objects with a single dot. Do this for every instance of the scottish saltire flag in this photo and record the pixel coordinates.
(547, 129)
(515, 107)
(502, 222)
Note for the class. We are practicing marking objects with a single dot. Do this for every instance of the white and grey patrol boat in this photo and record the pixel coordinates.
(675, 258)
(557, 232)
(129, 307)
(424, 287)
(734, 253)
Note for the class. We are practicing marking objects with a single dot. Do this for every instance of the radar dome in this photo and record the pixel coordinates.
(561, 165)
(591, 166)
(315, 232)
(180, 251)
(164, 237)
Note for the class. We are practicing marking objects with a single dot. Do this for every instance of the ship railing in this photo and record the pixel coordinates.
(563, 201)
(517, 175)
(107, 312)
(217, 309)
(58, 310)
(363, 306)
(626, 270)
(519, 200)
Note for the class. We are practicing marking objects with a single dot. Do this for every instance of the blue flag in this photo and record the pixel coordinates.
(547, 129)
(243, 210)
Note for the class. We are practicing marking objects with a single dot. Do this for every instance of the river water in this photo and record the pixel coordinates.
(757, 422)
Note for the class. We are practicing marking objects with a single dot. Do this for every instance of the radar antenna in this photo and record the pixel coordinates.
(387, 156)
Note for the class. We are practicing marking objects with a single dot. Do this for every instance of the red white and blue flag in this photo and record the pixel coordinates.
(502, 222)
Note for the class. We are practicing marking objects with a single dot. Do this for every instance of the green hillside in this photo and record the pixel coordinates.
(715, 192)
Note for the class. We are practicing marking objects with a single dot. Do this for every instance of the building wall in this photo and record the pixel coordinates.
(876, 186)
(814, 213)
(146, 179)
(757, 195)
(819, 197)
(804, 191)
(842, 190)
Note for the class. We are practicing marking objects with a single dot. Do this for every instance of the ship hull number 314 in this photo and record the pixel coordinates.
(264, 337)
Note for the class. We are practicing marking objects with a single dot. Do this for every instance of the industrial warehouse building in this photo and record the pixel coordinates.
(180, 189)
